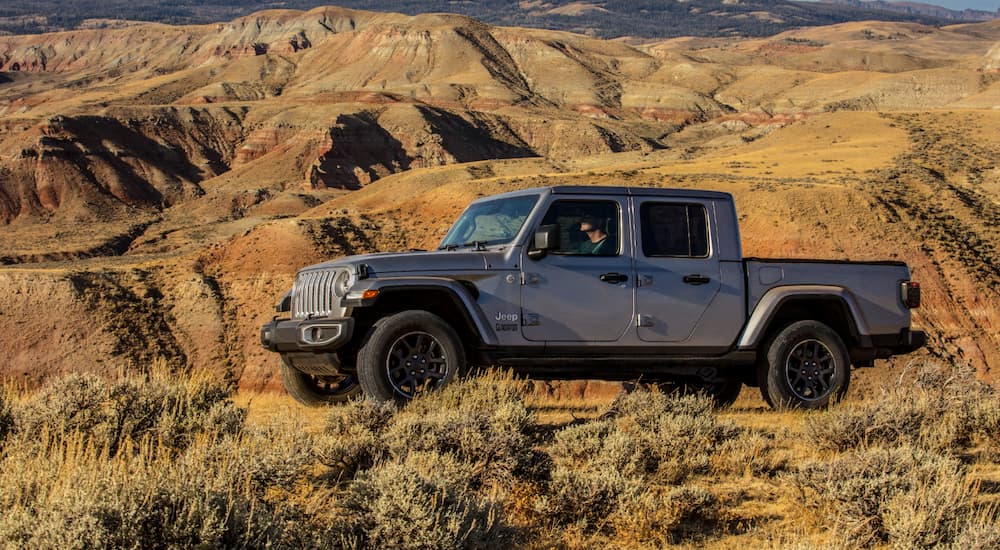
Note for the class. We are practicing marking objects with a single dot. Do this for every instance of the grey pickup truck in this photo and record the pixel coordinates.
(610, 283)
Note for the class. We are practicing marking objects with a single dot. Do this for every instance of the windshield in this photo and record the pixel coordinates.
(490, 222)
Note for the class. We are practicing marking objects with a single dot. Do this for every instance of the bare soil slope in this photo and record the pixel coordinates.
(159, 186)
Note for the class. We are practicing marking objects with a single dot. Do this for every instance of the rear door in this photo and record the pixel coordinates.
(677, 267)
(583, 291)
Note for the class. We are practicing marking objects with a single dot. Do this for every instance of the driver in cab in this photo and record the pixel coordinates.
(597, 242)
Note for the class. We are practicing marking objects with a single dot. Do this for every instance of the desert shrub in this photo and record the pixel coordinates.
(483, 392)
(586, 498)
(690, 509)
(613, 475)
(666, 517)
(161, 462)
(68, 492)
(984, 420)
(270, 458)
(943, 409)
(500, 450)
(906, 496)
(420, 502)
(360, 415)
(651, 435)
(111, 411)
(981, 533)
(928, 514)
(647, 407)
(751, 452)
(353, 438)
(630, 509)
(600, 446)
(480, 420)
(74, 402)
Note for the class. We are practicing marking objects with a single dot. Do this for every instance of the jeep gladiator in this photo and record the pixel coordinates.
(610, 283)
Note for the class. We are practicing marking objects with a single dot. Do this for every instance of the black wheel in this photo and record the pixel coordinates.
(407, 354)
(723, 392)
(807, 367)
(315, 390)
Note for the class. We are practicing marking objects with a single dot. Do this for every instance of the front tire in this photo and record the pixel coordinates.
(807, 367)
(408, 354)
(316, 390)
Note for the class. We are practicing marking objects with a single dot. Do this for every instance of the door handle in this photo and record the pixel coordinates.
(696, 279)
(614, 278)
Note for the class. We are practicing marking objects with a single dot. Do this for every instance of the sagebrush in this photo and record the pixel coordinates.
(165, 461)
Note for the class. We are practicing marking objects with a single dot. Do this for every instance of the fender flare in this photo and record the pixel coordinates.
(458, 291)
(772, 301)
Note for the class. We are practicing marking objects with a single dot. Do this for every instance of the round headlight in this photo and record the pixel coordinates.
(342, 283)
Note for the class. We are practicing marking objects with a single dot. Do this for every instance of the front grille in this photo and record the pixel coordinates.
(313, 295)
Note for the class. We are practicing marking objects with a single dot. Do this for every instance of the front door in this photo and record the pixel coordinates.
(582, 291)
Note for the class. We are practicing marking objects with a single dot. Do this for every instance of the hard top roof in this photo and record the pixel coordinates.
(616, 190)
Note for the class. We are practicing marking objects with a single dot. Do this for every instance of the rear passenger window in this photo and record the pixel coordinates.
(676, 230)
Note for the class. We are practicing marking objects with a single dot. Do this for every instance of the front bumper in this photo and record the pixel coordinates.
(290, 335)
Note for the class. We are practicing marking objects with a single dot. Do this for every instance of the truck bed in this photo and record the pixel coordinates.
(871, 289)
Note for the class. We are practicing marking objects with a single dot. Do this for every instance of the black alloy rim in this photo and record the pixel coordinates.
(416, 363)
(809, 370)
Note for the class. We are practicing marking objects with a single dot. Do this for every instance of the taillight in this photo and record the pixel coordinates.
(910, 292)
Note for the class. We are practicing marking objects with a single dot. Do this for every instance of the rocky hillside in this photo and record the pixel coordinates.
(160, 185)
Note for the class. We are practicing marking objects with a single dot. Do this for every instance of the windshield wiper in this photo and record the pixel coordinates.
(479, 246)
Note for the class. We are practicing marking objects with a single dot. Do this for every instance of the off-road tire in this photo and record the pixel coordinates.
(807, 367)
(722, 392)
(407, 354)
(314, 391)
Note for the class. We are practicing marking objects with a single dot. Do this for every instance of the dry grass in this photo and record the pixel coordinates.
(908, 497)
(945, 412)
(162, 461)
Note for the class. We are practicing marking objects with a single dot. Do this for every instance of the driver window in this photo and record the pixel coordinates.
(586, 228)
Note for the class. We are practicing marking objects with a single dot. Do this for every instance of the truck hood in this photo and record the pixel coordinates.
(393, 263)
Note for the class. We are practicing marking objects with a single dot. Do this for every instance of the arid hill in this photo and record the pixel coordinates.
(159, 186)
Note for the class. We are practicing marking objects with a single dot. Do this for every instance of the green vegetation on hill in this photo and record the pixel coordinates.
(609, 19)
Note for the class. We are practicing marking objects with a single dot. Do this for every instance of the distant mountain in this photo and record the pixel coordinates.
(647, 19)
(919, 9)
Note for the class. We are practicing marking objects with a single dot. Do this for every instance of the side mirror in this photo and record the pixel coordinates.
(546, 238)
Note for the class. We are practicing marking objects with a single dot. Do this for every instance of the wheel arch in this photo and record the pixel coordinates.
(449, 299)
(830, 305)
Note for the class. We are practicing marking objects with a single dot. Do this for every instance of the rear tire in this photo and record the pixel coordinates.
(807, 367)
(316, 390)
(408, 354)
